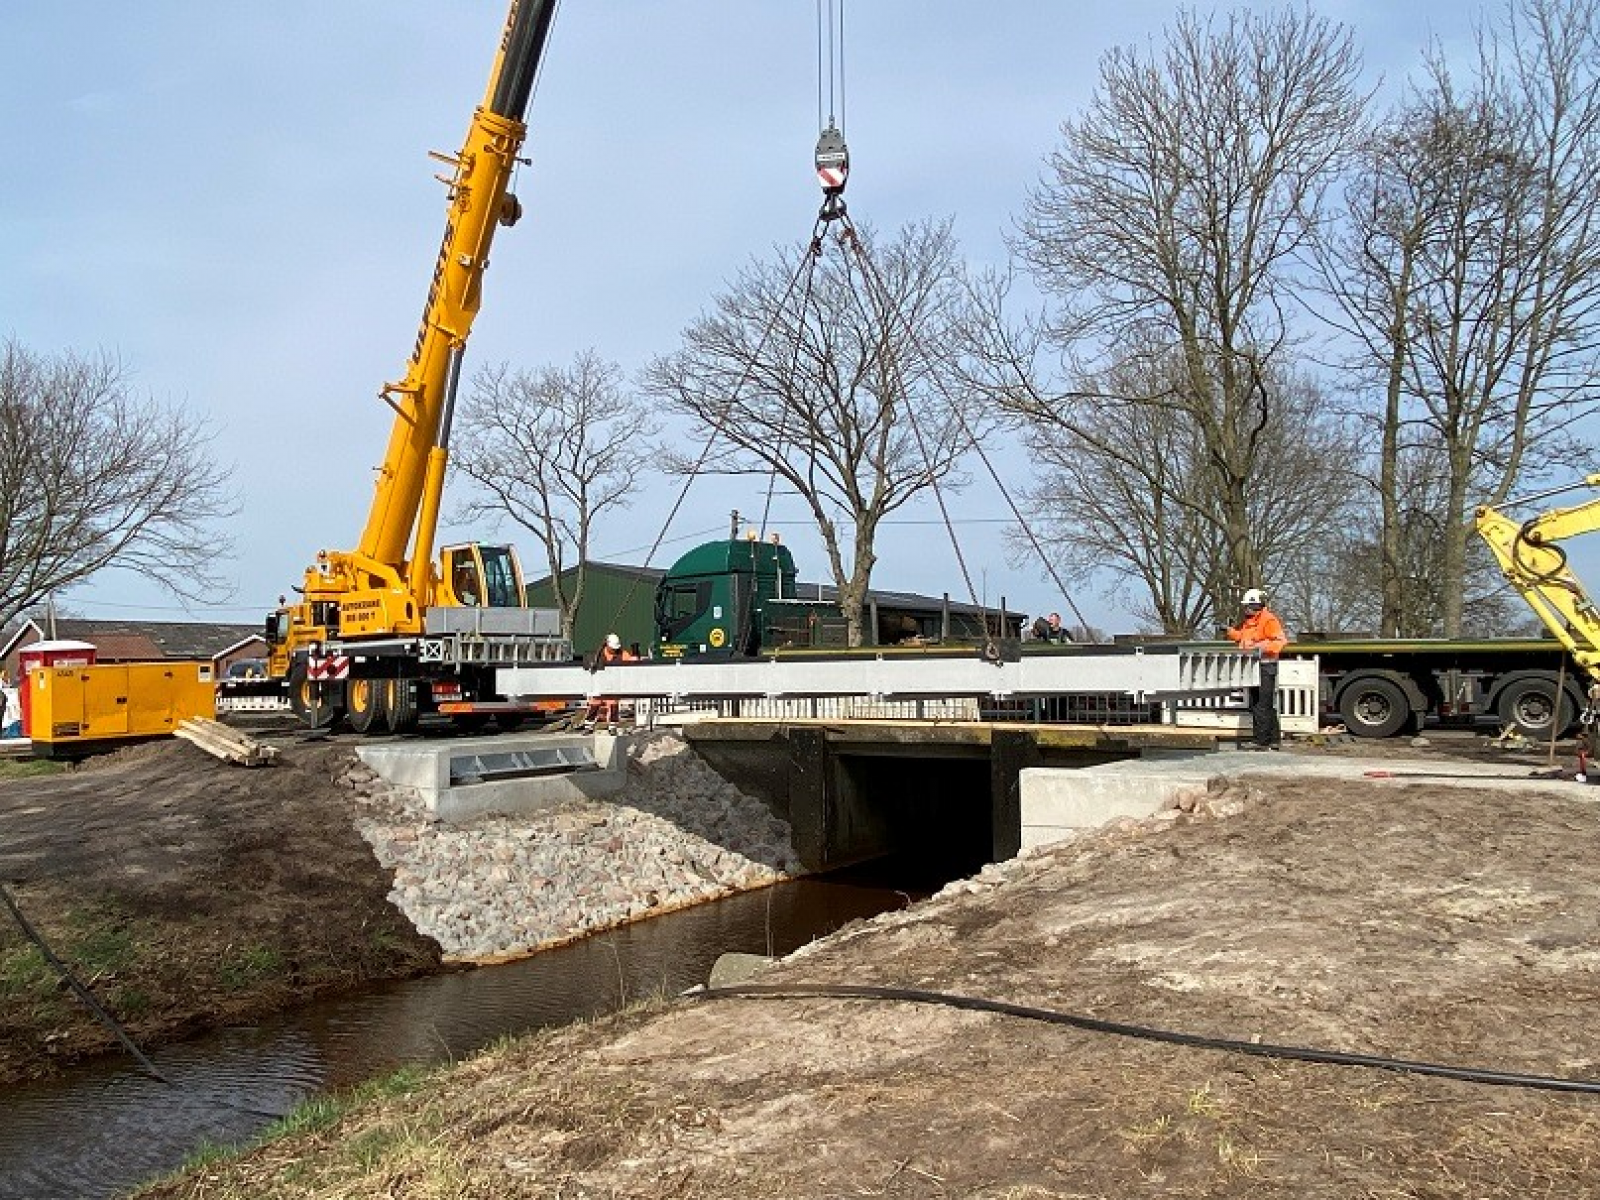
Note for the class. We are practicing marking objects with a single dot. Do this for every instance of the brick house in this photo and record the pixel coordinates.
(144, 641)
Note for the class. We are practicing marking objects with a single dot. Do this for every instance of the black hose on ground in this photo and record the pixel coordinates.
(83, 993)
(1336, 1058)
(79, 989)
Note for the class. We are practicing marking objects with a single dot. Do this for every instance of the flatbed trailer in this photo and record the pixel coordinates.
(1382, 687)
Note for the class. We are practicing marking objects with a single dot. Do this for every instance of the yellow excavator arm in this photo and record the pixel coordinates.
(1533, 561)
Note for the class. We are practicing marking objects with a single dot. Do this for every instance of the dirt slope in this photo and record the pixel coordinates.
(1423, 922)
(188, 893)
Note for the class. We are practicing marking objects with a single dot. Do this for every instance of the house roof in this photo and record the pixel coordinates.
(143, 641)
(124, 647)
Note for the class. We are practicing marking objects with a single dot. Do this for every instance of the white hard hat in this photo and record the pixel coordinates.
(1254, 596)
(613, 642)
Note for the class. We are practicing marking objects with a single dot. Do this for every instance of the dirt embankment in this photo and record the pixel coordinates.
(1421, 922)
(187, 894)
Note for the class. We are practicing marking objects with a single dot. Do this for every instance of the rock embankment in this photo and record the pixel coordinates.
(678, 834)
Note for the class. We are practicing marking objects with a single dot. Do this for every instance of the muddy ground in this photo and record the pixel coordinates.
(1414, 921)
(187, 894)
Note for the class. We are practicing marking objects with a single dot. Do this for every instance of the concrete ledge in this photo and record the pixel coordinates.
(1057, 803)
(509, 774)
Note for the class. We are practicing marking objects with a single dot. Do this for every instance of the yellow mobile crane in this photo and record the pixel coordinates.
(1533, 562)
(382, 633)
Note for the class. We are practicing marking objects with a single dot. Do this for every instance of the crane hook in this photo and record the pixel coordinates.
(833, 171)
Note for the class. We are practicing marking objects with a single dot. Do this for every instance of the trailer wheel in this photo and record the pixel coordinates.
(1528, 705)
(366, 701)
(1375, 707)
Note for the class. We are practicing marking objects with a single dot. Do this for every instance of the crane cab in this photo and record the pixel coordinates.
(473, 575)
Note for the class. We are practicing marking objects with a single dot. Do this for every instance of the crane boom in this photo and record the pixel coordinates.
(380, 629)
(408, 482)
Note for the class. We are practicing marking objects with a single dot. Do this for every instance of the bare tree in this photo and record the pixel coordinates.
(1125, 488)
(554, 450)
(93, 478)
(1468, 279)
(1171, 218)
(835, 379)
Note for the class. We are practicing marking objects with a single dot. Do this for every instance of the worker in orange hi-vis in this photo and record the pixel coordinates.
(603, 710)
(1261, 631)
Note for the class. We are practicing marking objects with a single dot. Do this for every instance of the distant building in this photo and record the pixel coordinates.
(144, 641)
(621, 599)
(616, 599)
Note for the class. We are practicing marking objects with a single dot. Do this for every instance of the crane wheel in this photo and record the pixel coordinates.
(367, 702)
(400, 705)
(319, 703)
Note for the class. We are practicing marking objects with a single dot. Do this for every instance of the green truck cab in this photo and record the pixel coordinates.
(724, 599)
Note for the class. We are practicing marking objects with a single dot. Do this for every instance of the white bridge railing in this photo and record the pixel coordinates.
(1299, 702)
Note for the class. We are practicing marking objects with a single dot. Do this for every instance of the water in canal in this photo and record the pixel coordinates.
(108, 1126)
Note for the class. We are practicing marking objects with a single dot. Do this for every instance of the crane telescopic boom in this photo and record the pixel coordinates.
(356, 633)
(386, 583)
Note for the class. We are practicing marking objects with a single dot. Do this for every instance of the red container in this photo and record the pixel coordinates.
(46, 654)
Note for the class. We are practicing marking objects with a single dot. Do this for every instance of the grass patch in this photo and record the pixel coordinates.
(99, 944)
(245, 966)
(25, 973)
(207, 1153)
(320, 1112)
(131, 1002)
(27, 768)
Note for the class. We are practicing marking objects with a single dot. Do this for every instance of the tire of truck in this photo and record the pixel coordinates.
(366, 703)
(318, 703)
(1526, 703)
(400, 701)
(1374, 706)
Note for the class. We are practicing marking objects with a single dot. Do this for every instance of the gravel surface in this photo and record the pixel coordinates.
(502, 886)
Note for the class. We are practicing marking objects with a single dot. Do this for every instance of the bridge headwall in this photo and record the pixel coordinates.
(856, 790)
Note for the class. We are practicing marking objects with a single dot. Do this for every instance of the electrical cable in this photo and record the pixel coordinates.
(78, 988)
(1338, 1058)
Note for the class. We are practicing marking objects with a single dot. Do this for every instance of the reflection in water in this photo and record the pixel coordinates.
(105, 1127)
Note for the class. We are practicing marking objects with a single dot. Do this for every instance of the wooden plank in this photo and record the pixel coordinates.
(228, 744)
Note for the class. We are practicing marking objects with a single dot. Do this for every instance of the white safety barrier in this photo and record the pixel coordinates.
(963, 708)
(1299, 702)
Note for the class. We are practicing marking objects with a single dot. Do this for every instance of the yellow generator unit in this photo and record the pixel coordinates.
(74, 712)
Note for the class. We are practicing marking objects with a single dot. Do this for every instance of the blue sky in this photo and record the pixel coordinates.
(236, 201)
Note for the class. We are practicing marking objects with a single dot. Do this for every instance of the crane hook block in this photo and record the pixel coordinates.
(833, 161)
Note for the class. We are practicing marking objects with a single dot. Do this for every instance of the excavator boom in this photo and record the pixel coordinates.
(1533, 561)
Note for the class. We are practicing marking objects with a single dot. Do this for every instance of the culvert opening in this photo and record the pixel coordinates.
(932, 817)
